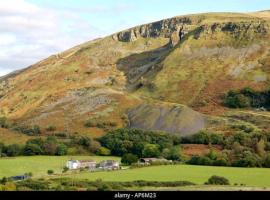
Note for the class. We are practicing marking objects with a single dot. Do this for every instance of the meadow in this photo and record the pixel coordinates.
(39, 165)
(259, 177)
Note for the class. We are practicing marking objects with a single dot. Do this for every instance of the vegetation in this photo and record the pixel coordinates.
(217, 180)
(141, 143)
(39, 165)
(247, 97)
(50, 172)
(54, 146)
(129, 159)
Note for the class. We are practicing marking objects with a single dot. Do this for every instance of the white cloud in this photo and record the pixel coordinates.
(29, 33)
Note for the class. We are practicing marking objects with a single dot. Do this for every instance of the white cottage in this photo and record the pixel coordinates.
(82, 164)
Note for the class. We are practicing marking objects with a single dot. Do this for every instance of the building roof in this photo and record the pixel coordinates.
(153, 159)
(108, 162)
(87, 161)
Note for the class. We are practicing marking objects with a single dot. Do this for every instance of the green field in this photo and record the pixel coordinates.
(39, 165)
(198, 174)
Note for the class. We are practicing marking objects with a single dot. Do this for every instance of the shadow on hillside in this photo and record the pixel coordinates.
(139, 68)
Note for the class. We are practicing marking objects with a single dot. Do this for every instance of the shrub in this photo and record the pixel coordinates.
(90, 124)
(51, 128)
(50, 172)
(217, 180)
(237, 100)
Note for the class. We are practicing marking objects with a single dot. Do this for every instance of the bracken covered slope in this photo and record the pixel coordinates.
(145, 77)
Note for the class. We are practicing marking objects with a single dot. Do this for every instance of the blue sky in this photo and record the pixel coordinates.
(31, 30)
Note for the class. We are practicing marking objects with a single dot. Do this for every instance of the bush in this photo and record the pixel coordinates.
(217, 180)
(234, 99)
(90, 124)
(51, 128)
(197, 160)
(50, 172)
(129, 159)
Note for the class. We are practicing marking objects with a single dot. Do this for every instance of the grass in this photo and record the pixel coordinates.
(255, 177)
(39, 165)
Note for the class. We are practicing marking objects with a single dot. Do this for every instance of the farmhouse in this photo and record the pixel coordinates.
(109, 165)
(153, 160)
(81, 164)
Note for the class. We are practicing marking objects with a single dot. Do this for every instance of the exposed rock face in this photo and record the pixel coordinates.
(174, 28)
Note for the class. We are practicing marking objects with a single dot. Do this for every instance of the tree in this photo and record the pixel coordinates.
(172, 153)
(4, 180)
(267, 161)
(151, 150)
(137, 148)
(217, 180)
(13, 150)
(61, 150)
(247, 159)
(2, 148)
(32, 149)
(129, 159)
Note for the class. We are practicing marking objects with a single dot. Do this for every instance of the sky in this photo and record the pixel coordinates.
(32, 30)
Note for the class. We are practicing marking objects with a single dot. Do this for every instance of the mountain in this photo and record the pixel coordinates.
(169, 75)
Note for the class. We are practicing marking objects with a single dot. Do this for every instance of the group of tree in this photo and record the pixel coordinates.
(53, 146)
(37, 146)
(247, 97)
(132, 144)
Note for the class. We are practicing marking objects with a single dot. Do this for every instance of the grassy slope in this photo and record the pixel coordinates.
(39, 165)
(10, 137)
(197, 72)
(198, 174)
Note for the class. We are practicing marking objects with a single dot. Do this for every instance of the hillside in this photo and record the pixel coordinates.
(169, 75)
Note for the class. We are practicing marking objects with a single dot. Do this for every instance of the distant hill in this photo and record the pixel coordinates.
(140, 76)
